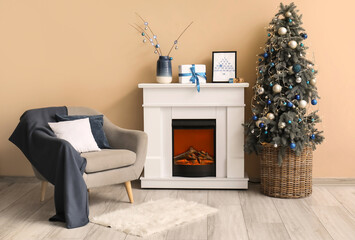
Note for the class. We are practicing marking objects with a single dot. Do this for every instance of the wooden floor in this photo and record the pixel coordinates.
(245, 214)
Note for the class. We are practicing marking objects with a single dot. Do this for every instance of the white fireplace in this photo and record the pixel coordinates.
(222, 103)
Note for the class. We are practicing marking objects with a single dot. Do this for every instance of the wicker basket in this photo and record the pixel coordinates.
(292, 180)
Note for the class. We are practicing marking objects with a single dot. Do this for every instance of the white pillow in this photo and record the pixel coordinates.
(77, 133)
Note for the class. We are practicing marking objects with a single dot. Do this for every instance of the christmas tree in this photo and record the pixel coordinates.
(284, 90)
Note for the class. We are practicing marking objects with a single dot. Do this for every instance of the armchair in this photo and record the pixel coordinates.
(121, 164)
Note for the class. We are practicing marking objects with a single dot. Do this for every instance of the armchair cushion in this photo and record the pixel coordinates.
(96, 124)
(77, 133)
(108, 159)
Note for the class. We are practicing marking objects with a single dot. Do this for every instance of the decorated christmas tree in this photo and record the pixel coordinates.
(285, 89)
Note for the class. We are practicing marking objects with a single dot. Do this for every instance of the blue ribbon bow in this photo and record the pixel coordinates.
(194, 76)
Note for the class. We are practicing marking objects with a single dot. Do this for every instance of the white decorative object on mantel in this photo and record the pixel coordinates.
(185, 73)
(221, 101)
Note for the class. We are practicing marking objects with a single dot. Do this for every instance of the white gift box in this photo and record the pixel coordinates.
(200, 69)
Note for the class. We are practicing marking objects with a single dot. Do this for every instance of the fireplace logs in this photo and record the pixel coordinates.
(193, 157)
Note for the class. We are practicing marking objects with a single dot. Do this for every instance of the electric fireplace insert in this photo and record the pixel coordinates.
(194, 147)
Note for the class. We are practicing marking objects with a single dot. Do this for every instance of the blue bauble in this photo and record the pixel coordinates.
(289, 104)
(290, 20)
(272, 64)
(299, 120)
(157, 46)
(268, 34)
(307, 82)
(293, 145)
(272, 50)
(260, 59)
(305, 36)
(255, 117)
(301, 44)
(271, 84)
(296, 68)
(268, 102)
(261, 71)
(171, 58)
(265, 132)
(290, 87)
(313, 136)
(314, 102)
(289, 121)
(298, 97)
(261, 125)
(265, 55)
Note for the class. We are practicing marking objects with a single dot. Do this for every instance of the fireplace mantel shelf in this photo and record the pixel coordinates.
(206, 85)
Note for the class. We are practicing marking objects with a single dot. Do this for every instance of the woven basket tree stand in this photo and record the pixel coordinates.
(293, 179)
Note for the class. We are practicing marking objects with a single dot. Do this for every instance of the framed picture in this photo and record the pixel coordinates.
(224, 65)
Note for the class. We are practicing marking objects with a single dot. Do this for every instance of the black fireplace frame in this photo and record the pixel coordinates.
(194, 170)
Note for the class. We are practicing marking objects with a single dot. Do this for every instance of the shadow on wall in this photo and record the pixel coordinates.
(128, 109)
(257, 40)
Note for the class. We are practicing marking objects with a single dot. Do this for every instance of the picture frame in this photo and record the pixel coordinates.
(224, 66)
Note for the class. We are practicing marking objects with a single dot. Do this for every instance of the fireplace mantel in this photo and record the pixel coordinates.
(221, 101)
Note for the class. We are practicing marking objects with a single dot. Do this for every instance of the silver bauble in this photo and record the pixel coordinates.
(260, 90)
(282, 31)
(288, 14)
(302, 104)
(282, 125)
(275, 145)
(277, 88)
(298, 79)
(292, 44)
(313, 81)
(270, 116)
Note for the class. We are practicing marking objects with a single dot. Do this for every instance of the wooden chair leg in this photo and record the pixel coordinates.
(43, 190)
(129, 191)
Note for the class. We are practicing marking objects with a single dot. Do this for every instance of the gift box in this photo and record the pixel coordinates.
(189, 73)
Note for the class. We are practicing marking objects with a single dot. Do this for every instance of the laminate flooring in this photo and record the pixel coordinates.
(243, 214)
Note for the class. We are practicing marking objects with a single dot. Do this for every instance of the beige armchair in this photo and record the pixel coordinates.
(121, 164)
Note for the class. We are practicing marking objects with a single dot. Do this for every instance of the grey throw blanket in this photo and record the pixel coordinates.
(57, 161)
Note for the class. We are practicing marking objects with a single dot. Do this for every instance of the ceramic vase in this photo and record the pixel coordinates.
(164, 73)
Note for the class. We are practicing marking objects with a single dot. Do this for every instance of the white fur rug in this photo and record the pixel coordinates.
(154, 216)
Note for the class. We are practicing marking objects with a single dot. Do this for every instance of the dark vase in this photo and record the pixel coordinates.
(164, 70)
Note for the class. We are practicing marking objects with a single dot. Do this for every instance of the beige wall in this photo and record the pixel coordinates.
(84, 52)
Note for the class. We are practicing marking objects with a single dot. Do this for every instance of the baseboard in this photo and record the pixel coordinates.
(18, 179)
(333, 181)
(321, 181)
(316, 181)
